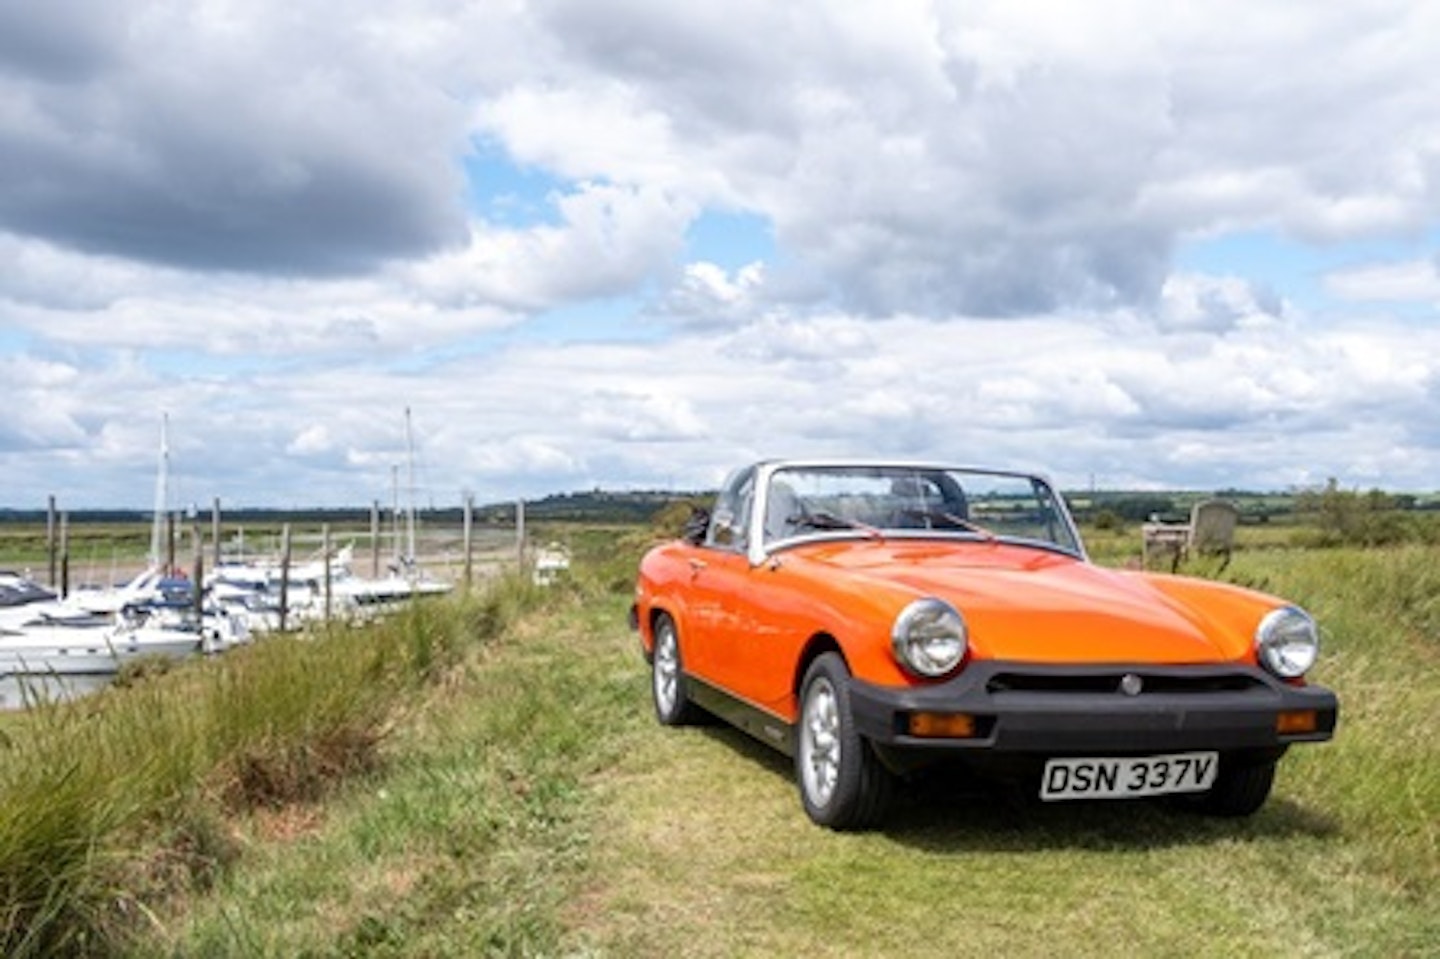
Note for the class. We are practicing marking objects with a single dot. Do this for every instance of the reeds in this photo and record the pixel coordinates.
(107, 800)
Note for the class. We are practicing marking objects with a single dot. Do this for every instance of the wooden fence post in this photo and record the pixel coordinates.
(284, 575)
(197, 572)
(469, 537)
(64, 554)
(325, 558)
(375, 538)
(50, 544)
(215, 529)
(520, 535)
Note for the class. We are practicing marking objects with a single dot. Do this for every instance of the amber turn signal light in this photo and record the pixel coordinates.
(1295, 721)
(942, 725)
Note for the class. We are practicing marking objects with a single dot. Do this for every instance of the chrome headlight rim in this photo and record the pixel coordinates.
(930, 638)
(1287, 642)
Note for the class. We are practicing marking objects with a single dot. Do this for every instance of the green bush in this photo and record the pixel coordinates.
(1337, 517)
(1109, 521)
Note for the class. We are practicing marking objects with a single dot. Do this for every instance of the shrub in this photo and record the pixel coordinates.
(1337, 517)
(1109, 521)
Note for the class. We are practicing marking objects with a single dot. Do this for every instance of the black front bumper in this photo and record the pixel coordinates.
(1026, 710)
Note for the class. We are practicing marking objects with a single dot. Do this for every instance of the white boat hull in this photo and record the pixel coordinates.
(46, 650)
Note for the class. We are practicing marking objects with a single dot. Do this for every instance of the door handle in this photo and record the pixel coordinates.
(696, 565)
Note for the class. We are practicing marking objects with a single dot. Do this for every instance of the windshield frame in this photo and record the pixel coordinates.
(761, 546)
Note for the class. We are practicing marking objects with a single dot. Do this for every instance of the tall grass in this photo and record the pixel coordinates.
(507, 792)
(1379, 613)
(108, 802)
(473, 838)
(533, 807)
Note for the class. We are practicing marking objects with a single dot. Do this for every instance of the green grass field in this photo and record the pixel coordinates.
(516, 797)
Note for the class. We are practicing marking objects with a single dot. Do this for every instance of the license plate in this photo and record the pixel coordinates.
(1126, 776)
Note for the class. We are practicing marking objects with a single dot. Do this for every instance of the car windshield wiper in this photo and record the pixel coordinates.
(823, 519)
(950, 519)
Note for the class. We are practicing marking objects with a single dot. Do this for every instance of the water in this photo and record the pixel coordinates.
(17, 691)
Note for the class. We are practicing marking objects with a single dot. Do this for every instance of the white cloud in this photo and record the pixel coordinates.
(706, 295)
(1409, 281)
(256, 215)
(611, 240)
(1209, 304)
(310, 441)
(596, 133)
(645, 416)
(1255, 406)
(1011, 157)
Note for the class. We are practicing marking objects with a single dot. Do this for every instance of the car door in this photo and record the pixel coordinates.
(717, 616)
(750, 640)
(710, 604)
(755, 656)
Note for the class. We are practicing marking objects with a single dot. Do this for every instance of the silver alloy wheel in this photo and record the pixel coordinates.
(820, 742)
(666, 672)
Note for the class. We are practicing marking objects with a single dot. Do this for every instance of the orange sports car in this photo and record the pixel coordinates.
(871, 619)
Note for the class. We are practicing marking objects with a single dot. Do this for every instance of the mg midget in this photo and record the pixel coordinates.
(872, 619)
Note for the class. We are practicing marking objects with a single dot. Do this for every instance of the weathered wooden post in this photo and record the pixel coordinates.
(50, 545)
(197, 575)
(469, 525)
(284, 575)
(325, 554)
(215, 529)
(520, 534)
(64, 554)
(375, 538)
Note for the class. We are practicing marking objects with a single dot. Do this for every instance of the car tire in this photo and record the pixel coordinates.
(667, 676)
(1239, 790)
(842, 783)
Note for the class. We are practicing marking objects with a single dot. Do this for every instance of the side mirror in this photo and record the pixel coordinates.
(696, 526)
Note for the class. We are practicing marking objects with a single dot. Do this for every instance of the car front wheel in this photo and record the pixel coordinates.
(667, 676)
(842, 783)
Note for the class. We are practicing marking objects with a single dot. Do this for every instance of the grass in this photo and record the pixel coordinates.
(116, 802)
(517, 798)
(471, 841)
(1345, 860)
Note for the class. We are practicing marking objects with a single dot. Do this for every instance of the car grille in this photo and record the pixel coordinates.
(1110, 682)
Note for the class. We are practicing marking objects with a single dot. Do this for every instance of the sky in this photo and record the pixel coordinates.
(634, 244)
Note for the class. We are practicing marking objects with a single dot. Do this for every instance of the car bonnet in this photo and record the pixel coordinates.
(1033, 605)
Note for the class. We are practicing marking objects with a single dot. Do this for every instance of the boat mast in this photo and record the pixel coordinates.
(162, 478)
(410, 482)
(395, 515)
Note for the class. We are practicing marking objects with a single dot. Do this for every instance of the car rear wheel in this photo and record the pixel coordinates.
(842, 782)
(667, 676)
(1239, 790)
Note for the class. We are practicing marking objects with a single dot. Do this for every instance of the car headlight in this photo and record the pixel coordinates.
(929, 637)
(1287, 642)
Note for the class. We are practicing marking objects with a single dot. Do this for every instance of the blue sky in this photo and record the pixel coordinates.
(624, 245)
(1296, 270)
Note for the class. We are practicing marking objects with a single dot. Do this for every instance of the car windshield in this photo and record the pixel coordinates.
(910, 501)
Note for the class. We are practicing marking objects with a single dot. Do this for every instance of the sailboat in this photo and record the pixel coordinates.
(251, 589)
(406, 578)
(61, 647)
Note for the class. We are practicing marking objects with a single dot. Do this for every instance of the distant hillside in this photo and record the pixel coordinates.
(593, 506)
(639, 506)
